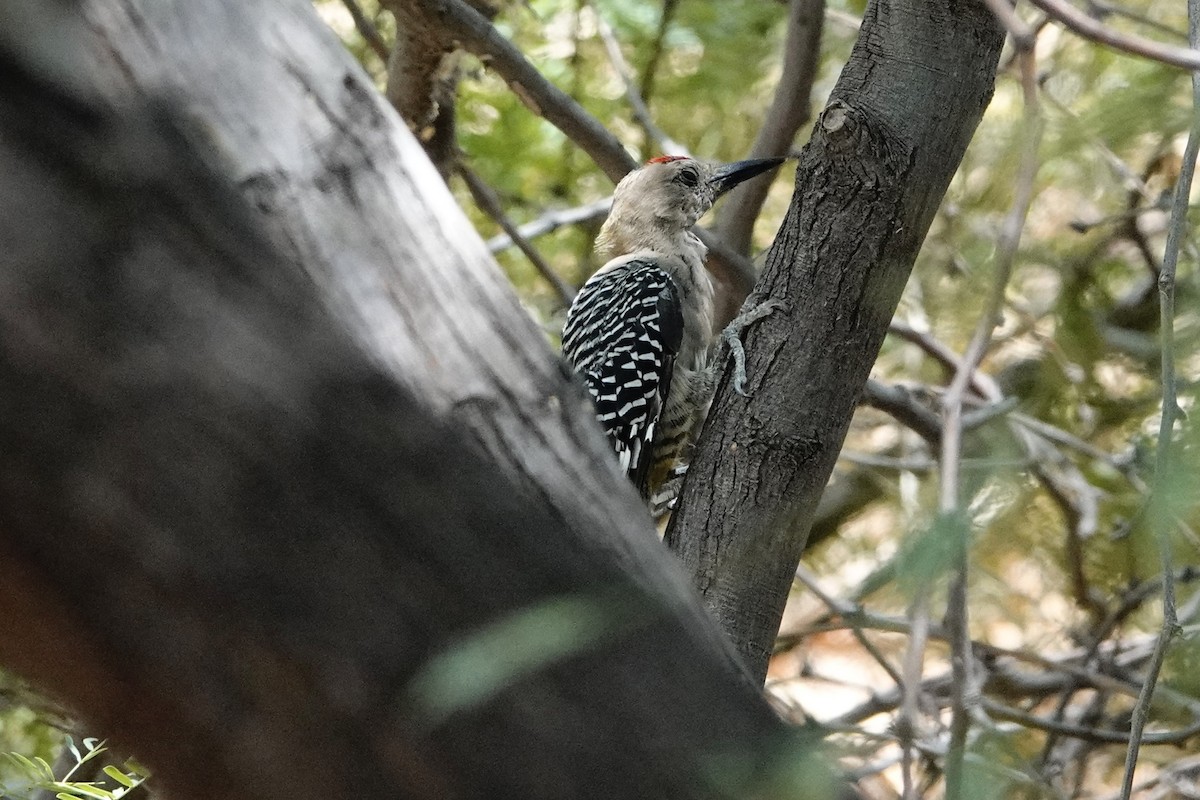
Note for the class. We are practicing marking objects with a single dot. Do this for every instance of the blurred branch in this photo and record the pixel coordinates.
(367, 30)
(552, 220)
(1092, 29)
(790, 108)
(490, 204)
(1069, 440)
(950, 499)
(1101, 8)
(1078, 501)
(1162, 521)
(921, 464)
(904, 406)
(477, 35)
(841, 607)
(1064, 672)
(984, 385)
(656, 49)
(1168, 775)
(844, 18)
(1023, 35)
(910, 689)
(1091, 734)
(636, 104)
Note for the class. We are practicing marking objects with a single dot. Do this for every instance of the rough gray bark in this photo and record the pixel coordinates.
(867, 187)
(272, 449)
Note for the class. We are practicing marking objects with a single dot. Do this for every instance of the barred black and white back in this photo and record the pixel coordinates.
(622, 335)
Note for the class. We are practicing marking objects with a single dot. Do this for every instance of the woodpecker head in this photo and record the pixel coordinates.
(660, 202)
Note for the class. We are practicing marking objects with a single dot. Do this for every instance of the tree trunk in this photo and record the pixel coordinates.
(867, 187)
(294, 500)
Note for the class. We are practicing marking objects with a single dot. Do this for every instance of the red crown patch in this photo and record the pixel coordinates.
(665, 159)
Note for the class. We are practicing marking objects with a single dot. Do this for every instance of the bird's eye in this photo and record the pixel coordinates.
(689, 177)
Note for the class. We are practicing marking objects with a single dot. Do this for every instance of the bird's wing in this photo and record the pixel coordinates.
(622, 335)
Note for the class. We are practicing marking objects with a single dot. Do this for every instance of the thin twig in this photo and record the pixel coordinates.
(552, 220)
(1023, 35)
(841, 607)
(1166, 775)
(636, 104)
(950, 500)
(477, 35)
(1057, 435)
(790, 108)
(1103, 7)
(1002, 711)
(1161, 519)
(1094, 30)
(920, 464)
(367, 30)
(646, 88)
(908, 721)
(984, 385)
(490, 204)
(903, 405)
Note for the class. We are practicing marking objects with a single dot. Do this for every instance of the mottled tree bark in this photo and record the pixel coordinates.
(867, 187)
(423, 74)
(281, 459)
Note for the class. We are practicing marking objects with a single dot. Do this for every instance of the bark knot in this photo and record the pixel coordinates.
(862, 144)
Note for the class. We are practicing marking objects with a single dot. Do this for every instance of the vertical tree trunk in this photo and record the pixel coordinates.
(867, 187)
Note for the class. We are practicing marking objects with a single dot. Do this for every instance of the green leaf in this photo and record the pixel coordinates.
(84, 790)
(500, 654)
(119, 776)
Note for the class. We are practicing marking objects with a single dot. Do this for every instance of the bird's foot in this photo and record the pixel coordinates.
(666, 496)
(732, 336)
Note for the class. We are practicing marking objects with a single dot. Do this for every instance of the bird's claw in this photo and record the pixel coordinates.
(732, 336)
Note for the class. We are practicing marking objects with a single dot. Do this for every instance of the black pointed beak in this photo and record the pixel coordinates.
(728, 176)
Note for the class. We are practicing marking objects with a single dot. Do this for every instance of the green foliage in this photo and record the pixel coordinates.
(926, 556)
(480, 665)
(35, 774)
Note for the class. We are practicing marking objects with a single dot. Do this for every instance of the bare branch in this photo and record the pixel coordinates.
(908, 720)
(367, 30)
(636, 104)
(809, 580)
(1023, 36)
(1092, 29)
(1078, 501)
(1103, 8)
(553, 220)
(489, 204)
(905, 408)
(656, 49)
(1002, 711)
(983, 384)
(477, 35)
(790, 108)
(950, 500)
(1162, 520)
